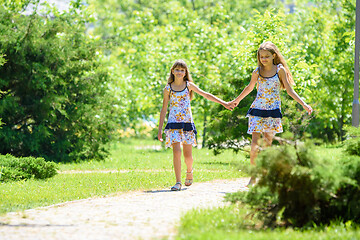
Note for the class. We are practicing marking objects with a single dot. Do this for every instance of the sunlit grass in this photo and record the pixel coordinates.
(235, 223)
(148, 154)
(135, 165)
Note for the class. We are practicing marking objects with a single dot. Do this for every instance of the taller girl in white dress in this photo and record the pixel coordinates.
(271, 75)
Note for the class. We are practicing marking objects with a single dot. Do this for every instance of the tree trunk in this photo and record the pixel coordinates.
(193, 3)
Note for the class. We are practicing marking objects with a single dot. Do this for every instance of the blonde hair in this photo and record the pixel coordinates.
(269, 46)
(181, 64)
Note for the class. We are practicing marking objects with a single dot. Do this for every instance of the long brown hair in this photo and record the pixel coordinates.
(269, 46)
(181, 64)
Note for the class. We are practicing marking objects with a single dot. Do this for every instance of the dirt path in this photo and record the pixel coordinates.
(133, 215)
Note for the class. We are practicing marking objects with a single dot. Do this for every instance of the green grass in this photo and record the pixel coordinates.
(142, 168)
(234, 223)
(139, 154)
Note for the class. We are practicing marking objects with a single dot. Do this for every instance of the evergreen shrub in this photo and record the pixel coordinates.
(56, 102)
(346, 204)
(23, 168)
(295, 186)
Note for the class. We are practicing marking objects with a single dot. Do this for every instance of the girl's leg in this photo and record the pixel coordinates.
(189, 163)
(187, 148)
(253, 154)
(177, 161)
(268, 138)
(254, 147)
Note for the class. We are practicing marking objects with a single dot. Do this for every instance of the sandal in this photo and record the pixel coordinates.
(176, 187)
(189, 181)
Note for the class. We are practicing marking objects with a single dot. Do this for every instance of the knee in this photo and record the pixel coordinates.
(177, 151)
(187, 155)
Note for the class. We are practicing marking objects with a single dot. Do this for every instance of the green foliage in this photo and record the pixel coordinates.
(346, 204)
(352, 142)
(24, 168)
(152, 37)
(56, 101)
(219, 41)
(295, 186)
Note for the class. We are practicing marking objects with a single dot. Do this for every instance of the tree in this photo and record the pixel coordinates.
(56, 102)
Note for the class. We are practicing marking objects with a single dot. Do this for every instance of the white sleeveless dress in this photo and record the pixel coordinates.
(180, 127)
(265, 112)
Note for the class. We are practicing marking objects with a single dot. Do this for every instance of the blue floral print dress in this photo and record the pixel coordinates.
(180, 126)
(265, 112)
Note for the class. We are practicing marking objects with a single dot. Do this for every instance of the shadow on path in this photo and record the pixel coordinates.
(164, 190)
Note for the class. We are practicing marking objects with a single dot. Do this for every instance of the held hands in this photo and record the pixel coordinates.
(308, 108)
(229, 105)
(234, 103)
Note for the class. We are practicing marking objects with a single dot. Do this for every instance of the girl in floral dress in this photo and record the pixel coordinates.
(180, 129)
(271, 75)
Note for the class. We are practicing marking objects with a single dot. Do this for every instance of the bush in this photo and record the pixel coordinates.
(295, 186)
(56, 101)
(352, 142)
(346, 204)
(15, 169)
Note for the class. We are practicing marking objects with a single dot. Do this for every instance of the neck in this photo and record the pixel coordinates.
(179, 81)
(268, 67)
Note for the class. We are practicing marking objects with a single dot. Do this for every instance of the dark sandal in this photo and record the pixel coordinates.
(189, 181)
(176, 187)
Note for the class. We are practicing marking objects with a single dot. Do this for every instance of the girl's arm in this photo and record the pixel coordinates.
(291, 92)
(208, 96)
(247, 89)
(163, 113)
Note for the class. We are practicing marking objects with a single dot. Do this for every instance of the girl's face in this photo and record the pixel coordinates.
(179, 72)
(266, 57)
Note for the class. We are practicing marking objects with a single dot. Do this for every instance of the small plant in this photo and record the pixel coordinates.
(15, 169)
(352, 142)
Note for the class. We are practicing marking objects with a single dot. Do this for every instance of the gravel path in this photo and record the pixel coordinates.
(133, 215)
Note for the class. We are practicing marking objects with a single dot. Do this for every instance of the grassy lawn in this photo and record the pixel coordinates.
(142, 165)
(135, 165)
(235, 222)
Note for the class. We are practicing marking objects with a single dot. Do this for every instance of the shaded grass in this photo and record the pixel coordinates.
(134, 156)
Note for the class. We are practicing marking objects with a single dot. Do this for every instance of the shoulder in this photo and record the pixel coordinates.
(191, 85)
(281, 68)
(167, 88)
(255, 73)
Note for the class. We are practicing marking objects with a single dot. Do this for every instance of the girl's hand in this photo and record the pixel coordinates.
(308, 108)
(160, 136)
(234, 103)
(229, 105)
